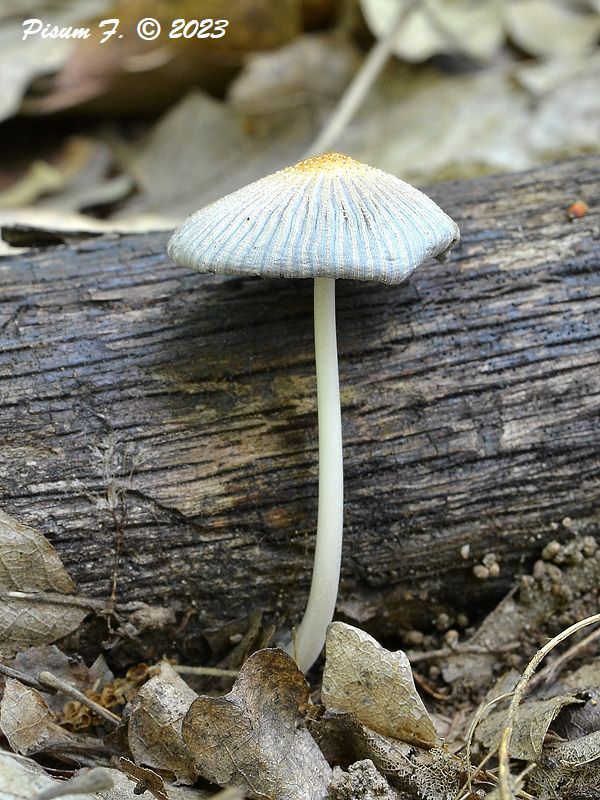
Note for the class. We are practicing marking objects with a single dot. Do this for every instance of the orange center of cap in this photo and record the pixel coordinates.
(333, 162)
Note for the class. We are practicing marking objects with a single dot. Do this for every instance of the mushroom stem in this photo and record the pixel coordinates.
(309, 637)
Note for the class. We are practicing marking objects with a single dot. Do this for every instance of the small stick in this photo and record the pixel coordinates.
(9, 672)
(182, 669)
(416, 655)
(427, 687)
(479, 715)
(57, 599)
(503, 753)
(96, 780)
(550, 671)
(359, 86)
(59, 685)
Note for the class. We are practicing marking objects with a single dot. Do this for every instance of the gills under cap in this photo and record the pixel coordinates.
(326, 217)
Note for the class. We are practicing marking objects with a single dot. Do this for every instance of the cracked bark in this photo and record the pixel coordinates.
(175, 414)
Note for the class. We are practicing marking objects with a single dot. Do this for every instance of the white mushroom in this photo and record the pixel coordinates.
(325, 218)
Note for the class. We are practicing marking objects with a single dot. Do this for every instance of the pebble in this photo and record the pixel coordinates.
(551, 550)
(414, 637)
(442, 622)
(451, 638)
(589, 546)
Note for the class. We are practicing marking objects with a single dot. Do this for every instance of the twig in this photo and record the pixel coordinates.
(503, 754)
(57, 599)
(550, 671)
(182, 669)
(479, 715)
(9, 672)
(96, 780)
(360, 85)
(415, 656)
(48, 679)
(424, 684)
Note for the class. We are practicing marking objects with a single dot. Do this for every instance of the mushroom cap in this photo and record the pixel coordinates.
(325, 217)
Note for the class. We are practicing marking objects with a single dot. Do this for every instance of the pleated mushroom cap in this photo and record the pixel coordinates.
(326, 217)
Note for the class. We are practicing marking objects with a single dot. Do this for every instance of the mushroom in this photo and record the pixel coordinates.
(325, 218)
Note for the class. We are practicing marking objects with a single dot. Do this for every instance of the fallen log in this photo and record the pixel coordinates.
(159, 426)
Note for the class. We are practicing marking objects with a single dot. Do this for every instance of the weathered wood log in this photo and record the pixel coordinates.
(159, 426)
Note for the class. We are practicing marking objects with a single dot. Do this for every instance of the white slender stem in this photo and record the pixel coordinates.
(310, 635)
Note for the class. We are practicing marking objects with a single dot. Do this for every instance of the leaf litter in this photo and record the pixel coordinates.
(366, 733)
(38, 599)
(156, 715)
(369, 733)
(376, 686)
(254, 736)
(506, 85)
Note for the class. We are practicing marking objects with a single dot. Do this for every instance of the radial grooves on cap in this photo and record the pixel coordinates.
(328, 216)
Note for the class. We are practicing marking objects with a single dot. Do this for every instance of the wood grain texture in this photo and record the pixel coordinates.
(159, 426)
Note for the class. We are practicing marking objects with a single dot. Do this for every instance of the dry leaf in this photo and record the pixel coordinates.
(577, 752)
(551, 27)
(154, 730)
(576, 721)
(587, 676)
(28, 562)
(483, 122)
(477, 29)
(40, 179)
(28, 723)
(86, 782)
(313, 69)
(127, 74)
(22, 61)
(23, 779)
(77, 164)
(396, 131)
(568, 770)
(529, 729)
(513, 618)
(375, 685)
(40, 227)
(422, 774)
(439, 26)
(35, 590)
(199, 152)
(253, 736)
(362, 780)
(144, 779)
(34, 660)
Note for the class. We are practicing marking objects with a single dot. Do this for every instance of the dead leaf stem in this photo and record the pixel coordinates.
(359, 86)
(96, 780)
(182, 669)
(550, 671)
(479, 715)
(48, 679)
(56, 599)
(503, 753)
(9, 672)
(415, 656)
